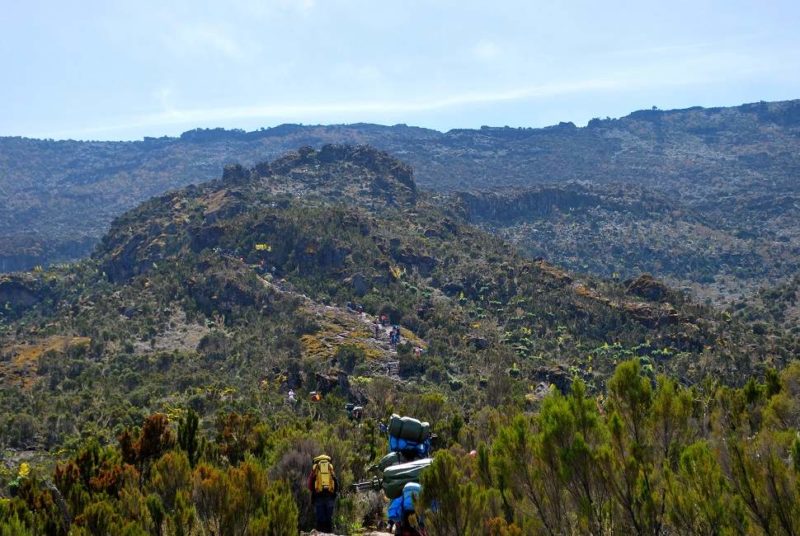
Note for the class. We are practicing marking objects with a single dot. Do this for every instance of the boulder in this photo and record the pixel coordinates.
(359, 283)
(479, 343)
(647, 287)
(454, 288)
(556, 375)
(17, 293)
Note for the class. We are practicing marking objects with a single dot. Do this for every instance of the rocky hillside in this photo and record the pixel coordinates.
(147, 388)
(622, 230)
(260, 271)
(726, 176)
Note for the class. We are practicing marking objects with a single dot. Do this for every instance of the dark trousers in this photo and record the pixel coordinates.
(323, 511)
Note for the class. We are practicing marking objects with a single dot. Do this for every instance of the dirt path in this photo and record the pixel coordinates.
(340, 326)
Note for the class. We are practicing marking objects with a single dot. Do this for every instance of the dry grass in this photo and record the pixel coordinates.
(20, 362)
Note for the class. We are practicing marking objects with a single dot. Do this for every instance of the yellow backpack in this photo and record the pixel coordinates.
(323, 474)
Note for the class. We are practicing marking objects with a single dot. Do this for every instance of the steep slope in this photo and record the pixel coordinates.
(220, 297)
(728, 175)
(621, 231)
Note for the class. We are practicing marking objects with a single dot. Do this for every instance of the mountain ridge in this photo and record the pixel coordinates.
(734, 168)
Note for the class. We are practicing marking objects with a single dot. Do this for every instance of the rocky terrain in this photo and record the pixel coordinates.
(146, 388)
(706, 198)
(286, 247)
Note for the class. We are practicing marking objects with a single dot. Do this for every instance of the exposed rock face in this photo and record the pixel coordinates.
(652, 315)
(557, 376)
(334, 175)
(647, 287)
(504, 208)
(360, 284)
(370, 173)
(18, 293)
(226, 291)
(235, 173)
(423, 263)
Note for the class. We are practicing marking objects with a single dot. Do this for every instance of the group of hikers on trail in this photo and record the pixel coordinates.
(355, 307)
(394, 333)
(409, 451)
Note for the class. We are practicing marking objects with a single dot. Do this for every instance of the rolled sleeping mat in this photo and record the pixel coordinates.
(397, 476)
(409, 428)
(322, 457)
(393, 458)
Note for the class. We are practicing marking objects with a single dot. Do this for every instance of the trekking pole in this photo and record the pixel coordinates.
(366, 485)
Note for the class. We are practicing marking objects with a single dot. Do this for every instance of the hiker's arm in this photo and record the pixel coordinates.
(310, 482)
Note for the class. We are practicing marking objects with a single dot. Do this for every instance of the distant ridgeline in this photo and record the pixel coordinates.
(706, 198)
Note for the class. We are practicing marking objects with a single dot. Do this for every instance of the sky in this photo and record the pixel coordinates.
(122, 70)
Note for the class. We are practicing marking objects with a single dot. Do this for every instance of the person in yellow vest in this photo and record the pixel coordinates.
(323, 485)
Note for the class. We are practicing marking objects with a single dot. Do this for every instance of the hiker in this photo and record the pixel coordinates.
(394, 336)
(323, 485)
(377, 330)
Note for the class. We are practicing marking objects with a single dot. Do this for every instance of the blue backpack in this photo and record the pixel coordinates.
(411, 448)
(396, 510)
(410, 495)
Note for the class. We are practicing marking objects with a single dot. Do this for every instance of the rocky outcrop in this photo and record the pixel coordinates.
(134, 256)
(18, 293)
(505, 208)
(555, 375)
(226, 291)
(424, 264)
(21, 292)
(346, 172)
(651, 315)
(647, 287)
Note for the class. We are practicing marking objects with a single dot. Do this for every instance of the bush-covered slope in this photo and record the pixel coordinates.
(727, 176)
(621, 231)
(157, 372)
(255, 272)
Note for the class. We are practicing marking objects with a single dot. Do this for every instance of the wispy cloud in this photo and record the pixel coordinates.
(190, 38)
(486, 50)
(294, 112)
(699, 71)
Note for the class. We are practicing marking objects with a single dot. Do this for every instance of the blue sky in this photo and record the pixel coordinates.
(123, 70)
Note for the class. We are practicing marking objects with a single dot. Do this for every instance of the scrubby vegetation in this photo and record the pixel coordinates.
(704, 197)
(145, 389)
(649, 457)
